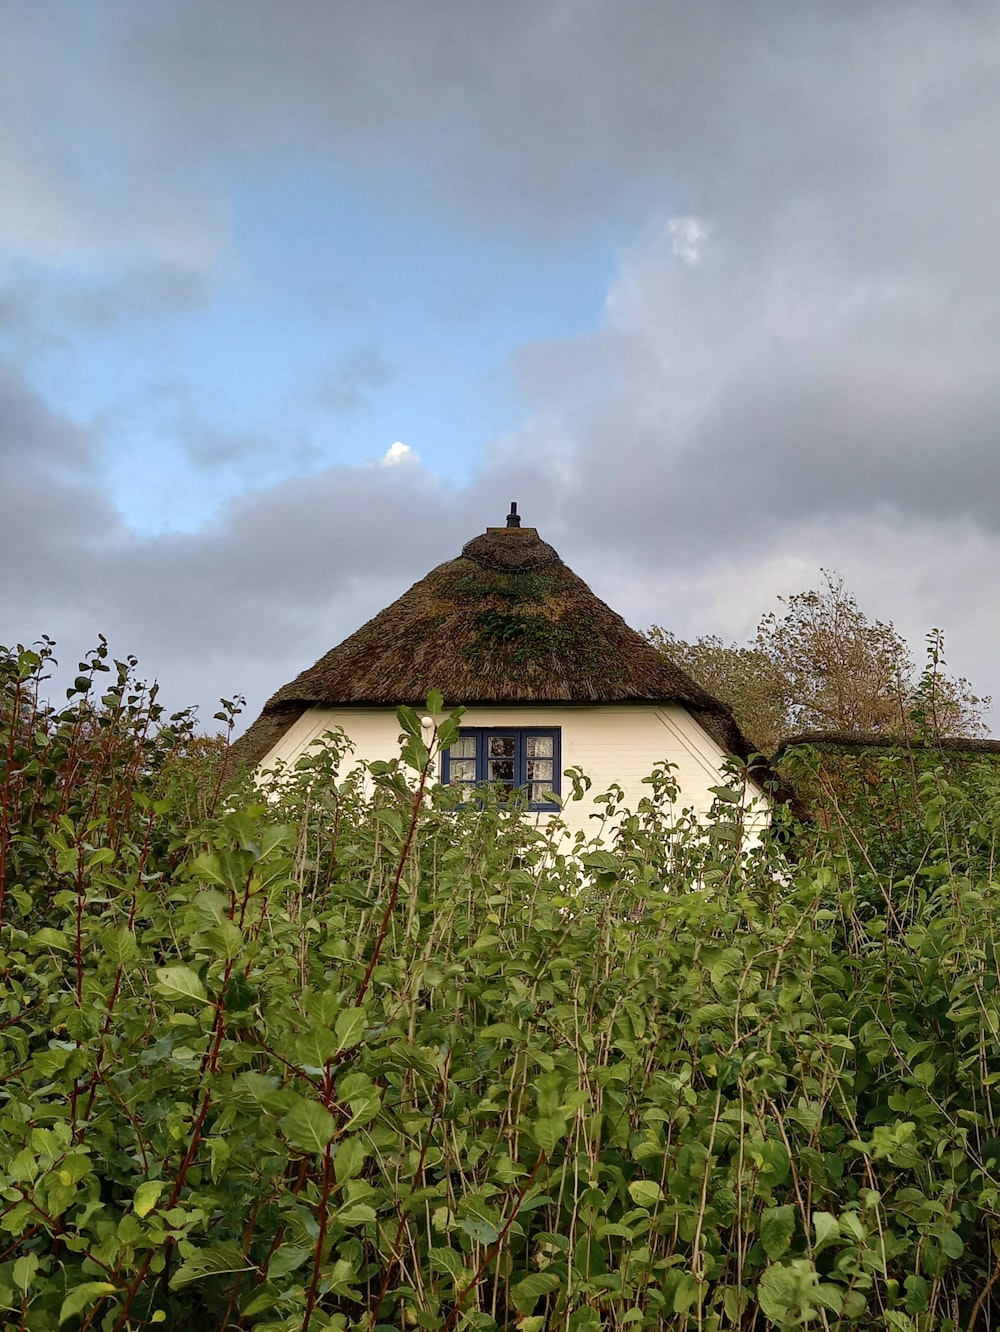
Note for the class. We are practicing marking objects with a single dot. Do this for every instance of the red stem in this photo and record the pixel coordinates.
(324, 1214)
(5, 802)
(494, 1248)
(400, 866)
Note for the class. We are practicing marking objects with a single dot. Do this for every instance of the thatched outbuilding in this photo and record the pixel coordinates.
(549, 674)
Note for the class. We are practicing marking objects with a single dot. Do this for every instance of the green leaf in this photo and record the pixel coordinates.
(548, 1131)
(585, 1320)
(415, 754)
(501, 1031)
(120, 946)
(180, 983)
(309, 1126)
(356, 1214)
(951, 1243)
(209, 907)
(228, 869)
(435, 703)
(147, 1196)
(349, 1028)
(261, 1302)
(350, 1159)
(827, 1229)
(215, 1260)
(408, 720)
(777, 1226)
(80, 1297)
(224, 940)
(478, 1229)
(726, 793)
(316, 1047)
(526, 1293)
(24, 1271)
(777, 1293)
(447, 1261)
(685, 1293)
(392, 819)
(240, 994)
(917, 1294)
(261, 1090)
(602, 861)
(447, 732)
(58, 939)
(286, 1258)
(645, 1193)
(774, 1161)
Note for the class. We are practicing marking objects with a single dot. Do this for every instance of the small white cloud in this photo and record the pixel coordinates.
(397, 454)
(687, 238)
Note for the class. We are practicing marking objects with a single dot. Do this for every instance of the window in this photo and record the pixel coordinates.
(515, 760)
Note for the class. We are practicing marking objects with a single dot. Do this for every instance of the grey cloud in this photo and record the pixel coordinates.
(779, 377)
(244, 604)
(348, 383)
(523, 115)
(35, 439)
(103, 301)
(824, 374)
(206, 446)
(199, 425)
(56, 527)
(238, 606)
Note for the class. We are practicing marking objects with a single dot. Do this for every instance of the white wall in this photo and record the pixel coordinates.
(617, 743)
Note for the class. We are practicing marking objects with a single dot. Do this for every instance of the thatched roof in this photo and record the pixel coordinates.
(507, 622)
(854, 741)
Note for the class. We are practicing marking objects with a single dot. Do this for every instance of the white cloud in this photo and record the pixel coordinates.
(399, 455)
(688, 236)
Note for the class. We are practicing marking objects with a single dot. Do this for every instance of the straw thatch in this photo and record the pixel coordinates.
(853, 741)
(507, 622)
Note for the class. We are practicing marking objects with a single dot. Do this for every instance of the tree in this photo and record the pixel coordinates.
(820, 664)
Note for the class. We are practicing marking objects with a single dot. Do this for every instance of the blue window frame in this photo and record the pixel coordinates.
(525, 758)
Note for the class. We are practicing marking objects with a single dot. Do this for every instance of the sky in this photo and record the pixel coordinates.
(296, 298)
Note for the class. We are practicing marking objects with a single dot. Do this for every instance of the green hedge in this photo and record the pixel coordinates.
(338, 1062)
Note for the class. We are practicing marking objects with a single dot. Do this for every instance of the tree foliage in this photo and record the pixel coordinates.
(359, 1057)
(820, 664)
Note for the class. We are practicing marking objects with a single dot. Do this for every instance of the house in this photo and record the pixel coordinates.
(550, 676)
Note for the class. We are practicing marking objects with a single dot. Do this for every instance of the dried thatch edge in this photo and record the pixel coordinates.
(858, 740)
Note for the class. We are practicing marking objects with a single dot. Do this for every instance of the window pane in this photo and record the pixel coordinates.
(539, 793)
(502, 770)
(540, 770)
(463, 770)
(501, 746)
(539, 746)
(464, 747)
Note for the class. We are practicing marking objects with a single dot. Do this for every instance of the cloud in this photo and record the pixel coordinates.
(243, 604)
(36, 439)
(796, 361)
(347, 384)
(398, 455)
(688, 236)
(522, 116)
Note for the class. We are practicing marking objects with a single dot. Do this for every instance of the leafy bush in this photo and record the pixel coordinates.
(348, 1061)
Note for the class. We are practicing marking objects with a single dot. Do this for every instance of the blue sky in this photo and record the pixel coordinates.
(332, 329)
(709, 289)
